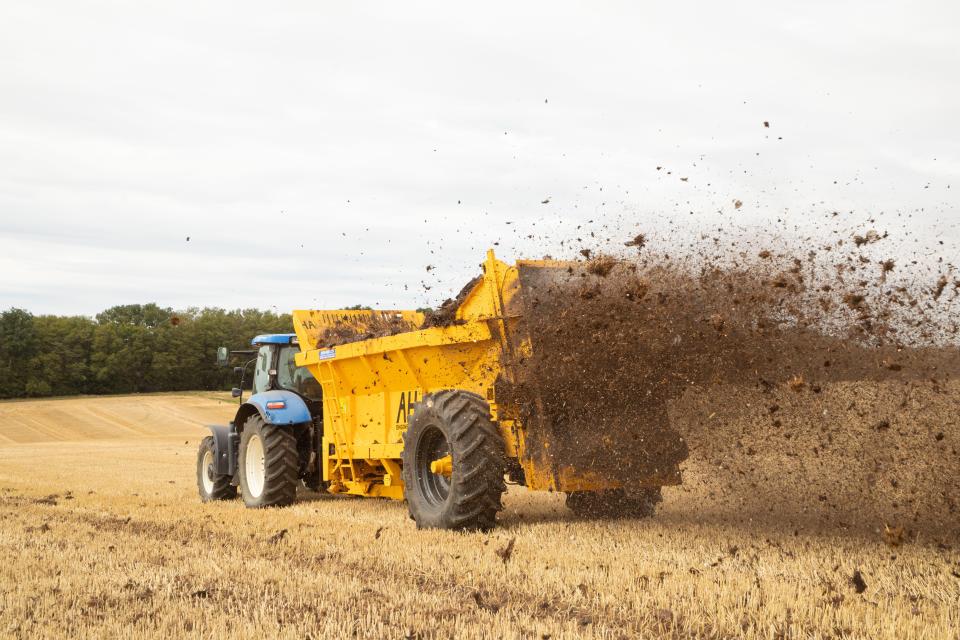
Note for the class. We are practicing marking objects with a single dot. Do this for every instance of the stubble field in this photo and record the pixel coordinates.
(102, 535)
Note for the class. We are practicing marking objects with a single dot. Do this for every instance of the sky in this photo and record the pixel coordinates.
(318, 155)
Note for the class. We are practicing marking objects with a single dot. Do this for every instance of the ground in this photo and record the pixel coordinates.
(102, 535)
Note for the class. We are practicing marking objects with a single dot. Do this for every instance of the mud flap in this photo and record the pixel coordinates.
(226, 448)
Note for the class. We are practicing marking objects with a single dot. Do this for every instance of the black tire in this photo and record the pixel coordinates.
(210, 485)
(614, 503)
(281, 464)
(457, 423)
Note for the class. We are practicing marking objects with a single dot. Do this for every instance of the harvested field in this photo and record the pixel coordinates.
(102, 534)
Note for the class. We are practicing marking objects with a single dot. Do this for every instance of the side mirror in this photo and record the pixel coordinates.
(235, 392)
(238, 371)
(223, 356)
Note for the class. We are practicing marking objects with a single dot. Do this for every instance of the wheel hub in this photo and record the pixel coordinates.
(207, 466)
(433, 452)
(254, 466)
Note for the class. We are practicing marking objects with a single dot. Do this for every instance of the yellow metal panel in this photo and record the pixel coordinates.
(371, 387)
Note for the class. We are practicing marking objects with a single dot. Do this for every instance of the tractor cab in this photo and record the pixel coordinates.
(275, 367)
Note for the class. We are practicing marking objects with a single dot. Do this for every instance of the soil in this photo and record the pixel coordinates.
(796, 360)
(376, 327)
(446, 315)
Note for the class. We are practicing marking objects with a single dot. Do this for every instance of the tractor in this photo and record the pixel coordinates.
(270, 446)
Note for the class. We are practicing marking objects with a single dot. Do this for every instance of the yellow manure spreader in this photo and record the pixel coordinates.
(439, 416)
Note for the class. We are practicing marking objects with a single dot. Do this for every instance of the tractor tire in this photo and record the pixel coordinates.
(210, 485)
(269, 464)
(614, 503)
(455, 423)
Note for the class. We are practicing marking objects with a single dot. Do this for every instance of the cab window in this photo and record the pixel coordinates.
(261, 373)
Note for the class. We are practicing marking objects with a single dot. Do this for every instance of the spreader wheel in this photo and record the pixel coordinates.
(453, 462)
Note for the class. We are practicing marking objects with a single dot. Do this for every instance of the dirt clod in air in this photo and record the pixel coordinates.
(941, 285)
(857, 582)
(506, 552)
(446, 315)
(637, 241)
(601, 265)
(869, 237)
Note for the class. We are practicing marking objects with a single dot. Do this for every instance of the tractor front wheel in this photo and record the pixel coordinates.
(269, 464)
(211, 485)
(453, 462)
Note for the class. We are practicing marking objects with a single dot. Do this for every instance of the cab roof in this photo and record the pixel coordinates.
(274, 338)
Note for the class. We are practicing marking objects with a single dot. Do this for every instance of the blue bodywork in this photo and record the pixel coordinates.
(294, 412)
(274, 338)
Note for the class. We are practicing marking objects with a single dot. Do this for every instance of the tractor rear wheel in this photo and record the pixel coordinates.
(467, 494)
(211, 485)
(269, 464)
(614, 503)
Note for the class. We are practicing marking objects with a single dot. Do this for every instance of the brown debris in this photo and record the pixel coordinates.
(894, 536)
(601, 265)
(854, 300)
(857, 582)
(446, 315)
(483, 603)
(638, 241)
(869, 238)
(941, 285)
(507, 551)
(626, 351)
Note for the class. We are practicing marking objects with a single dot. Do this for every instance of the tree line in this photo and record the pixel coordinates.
(132, 348)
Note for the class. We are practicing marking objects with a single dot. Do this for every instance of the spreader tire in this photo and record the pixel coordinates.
(614, 503)
(211, 485)
(455, 423)
(269, 464)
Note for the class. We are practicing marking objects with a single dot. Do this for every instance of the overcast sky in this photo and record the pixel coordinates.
(323, 154)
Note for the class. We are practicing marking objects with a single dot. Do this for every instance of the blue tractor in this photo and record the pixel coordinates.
(273, 441)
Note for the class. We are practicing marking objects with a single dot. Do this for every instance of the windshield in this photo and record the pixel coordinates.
(294, 378)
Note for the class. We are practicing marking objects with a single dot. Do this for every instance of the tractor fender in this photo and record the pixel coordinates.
(293, 411)
(226, 445)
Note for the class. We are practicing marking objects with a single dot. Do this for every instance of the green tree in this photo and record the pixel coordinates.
(18, 344)
(127, 348)
(61, 365)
